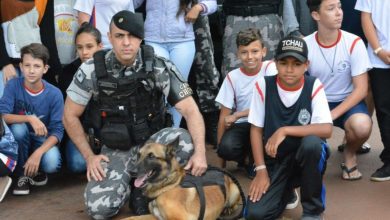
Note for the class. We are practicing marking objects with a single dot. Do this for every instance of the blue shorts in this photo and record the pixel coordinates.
(361, 107)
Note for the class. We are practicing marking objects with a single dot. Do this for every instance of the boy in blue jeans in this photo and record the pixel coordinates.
(33, 109)
(290, 119)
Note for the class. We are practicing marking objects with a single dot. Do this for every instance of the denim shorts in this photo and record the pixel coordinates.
(361, 107)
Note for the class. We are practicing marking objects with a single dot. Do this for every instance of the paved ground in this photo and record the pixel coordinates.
(360, 200)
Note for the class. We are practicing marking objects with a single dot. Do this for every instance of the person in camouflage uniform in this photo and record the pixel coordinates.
(206, 77)
(109, 172)
(260, 14)
(105, 198)
(206, 73)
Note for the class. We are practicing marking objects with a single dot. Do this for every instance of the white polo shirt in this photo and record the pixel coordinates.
(335, 65)
(236, 90)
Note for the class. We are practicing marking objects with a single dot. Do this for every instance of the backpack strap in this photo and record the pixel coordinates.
(100, 64)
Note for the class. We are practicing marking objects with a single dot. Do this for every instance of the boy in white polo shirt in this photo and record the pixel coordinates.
(339, 59)
(376, 26)
(290, 119)
(235, 95)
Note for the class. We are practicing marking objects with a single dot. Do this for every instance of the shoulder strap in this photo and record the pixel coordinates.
(100, 64)
(147, 53)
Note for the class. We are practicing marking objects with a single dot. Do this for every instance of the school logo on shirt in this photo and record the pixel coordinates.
(304, 117)
(343, 67)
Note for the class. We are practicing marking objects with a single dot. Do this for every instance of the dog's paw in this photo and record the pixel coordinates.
(227, 212)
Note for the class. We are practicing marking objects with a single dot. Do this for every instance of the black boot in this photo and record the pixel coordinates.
(138, 203)
(211, 124)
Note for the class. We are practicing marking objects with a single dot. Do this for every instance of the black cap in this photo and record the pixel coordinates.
(292, 47)
(131, 22)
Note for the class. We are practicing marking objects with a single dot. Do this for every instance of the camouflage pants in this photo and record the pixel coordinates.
(104, 199)
(206, 73)
(270, 27)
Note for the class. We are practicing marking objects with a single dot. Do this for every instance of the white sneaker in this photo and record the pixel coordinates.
(294, 201)
(5, 183)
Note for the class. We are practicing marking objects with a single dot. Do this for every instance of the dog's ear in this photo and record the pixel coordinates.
(171, 148)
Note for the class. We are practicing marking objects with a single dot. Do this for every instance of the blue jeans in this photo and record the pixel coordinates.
(28, 142)
(75, 161)
(182, 55)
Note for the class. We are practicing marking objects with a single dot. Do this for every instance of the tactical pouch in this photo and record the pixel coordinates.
(116, 136)
(141, 132)
(93, 141)
(168, 122)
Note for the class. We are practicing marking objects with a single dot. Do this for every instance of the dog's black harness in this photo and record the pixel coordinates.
(211, 177)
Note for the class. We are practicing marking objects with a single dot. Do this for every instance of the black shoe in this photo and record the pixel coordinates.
(22, 186)
(382, 174)
(138, 202)
(365, 148)
(294, 200)
(40, 179)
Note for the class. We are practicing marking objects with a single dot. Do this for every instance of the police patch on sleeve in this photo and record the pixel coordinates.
(178, 90)
(80, 76)
(185, 90)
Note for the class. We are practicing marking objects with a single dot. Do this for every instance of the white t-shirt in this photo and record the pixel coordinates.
(66, 25)
(236, 90)
(348, 57)
(379, 10)
(319, 104)
(101, 12)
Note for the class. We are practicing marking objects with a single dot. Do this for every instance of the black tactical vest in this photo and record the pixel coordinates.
(128, 109)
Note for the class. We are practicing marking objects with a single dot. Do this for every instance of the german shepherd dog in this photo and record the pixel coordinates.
(160, 175)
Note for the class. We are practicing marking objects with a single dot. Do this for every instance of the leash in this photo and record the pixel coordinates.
(242, 194)
(198, 184)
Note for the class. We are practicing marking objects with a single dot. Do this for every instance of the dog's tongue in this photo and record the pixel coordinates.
(140, 181)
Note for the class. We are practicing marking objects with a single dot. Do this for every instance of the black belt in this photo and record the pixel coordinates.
(246, 11)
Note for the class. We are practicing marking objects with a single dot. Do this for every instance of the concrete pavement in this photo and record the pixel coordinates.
(62, 197)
